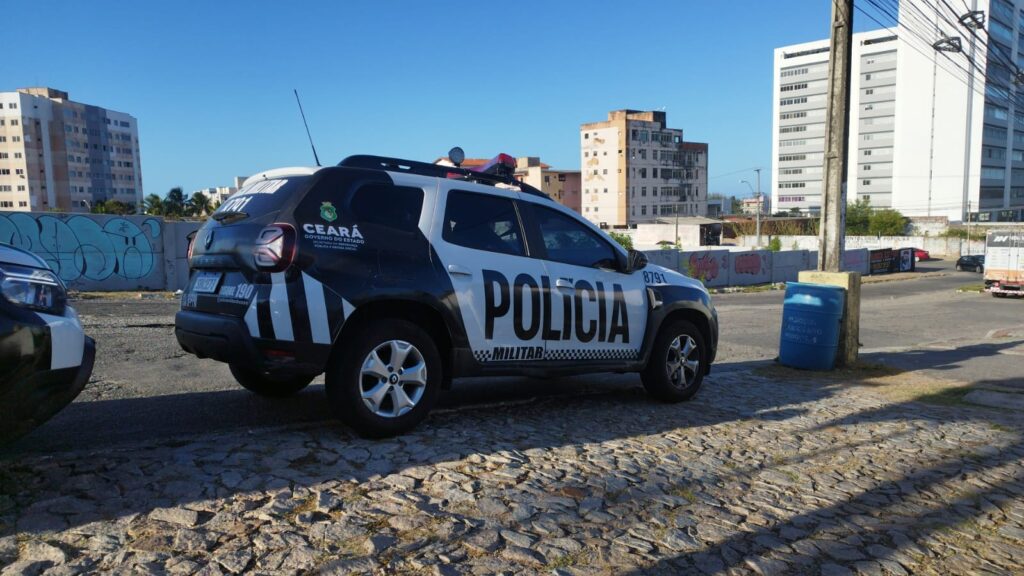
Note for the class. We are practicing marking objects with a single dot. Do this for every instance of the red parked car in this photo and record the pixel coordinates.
(921, 254)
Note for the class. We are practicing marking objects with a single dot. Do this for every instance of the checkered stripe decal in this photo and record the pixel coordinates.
(483, 356)
(590, 354)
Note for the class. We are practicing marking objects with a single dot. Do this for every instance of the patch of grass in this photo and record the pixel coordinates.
(683, 492)
(1000, 428)
(977, 287)
(307, 505)
(862, 371)
(567, 560)
(377, 524)
(951, 396)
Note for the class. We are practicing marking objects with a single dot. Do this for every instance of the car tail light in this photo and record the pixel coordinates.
(191, 245)
(275, 247)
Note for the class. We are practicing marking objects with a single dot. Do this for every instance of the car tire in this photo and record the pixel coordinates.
(672, 374)
(270, 385)
(365, 388)
(980, 269)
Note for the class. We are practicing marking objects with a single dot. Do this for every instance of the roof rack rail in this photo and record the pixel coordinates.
(436, 170)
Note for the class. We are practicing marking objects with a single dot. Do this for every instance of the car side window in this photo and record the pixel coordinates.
(396, 207)
(483, 222)
(571, 242)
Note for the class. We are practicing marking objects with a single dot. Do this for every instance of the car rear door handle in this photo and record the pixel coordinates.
(563, 284)
(456, 270)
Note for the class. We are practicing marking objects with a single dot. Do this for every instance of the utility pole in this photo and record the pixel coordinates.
(759, 205)
(833, 212)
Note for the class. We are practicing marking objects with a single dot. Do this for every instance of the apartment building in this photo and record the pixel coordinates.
(57, 154)
(562, 186)
(932, 133)
(218, 194)
(634, 169)
(798, 124)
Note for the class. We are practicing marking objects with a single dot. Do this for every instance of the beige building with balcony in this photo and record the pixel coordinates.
(562, 186)
(634, 170)
(57, 154)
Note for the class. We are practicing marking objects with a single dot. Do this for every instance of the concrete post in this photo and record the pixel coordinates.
(849, 332)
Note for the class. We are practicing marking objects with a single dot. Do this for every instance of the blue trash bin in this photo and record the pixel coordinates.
(812, 315)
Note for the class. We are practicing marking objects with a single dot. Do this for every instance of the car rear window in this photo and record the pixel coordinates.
(261, 197)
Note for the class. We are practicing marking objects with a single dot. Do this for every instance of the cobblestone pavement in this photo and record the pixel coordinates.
(758, 475)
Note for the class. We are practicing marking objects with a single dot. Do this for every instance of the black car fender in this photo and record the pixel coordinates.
(669, 302)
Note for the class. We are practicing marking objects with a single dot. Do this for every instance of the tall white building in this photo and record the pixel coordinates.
(57, 154)
(927, 137)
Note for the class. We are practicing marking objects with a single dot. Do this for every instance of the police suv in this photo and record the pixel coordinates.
(392, 277)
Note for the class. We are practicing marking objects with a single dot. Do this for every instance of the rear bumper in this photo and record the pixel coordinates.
(34, 399)
(221, 338)
(227, 339)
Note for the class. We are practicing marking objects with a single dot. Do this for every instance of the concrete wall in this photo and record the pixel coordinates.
(936, 246)
(717, 268)
(104, 252)
(786, 266)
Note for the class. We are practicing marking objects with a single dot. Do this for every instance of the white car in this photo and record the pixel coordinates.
(45, 357)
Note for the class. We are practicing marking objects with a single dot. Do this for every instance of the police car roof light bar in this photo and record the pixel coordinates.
(502, 175)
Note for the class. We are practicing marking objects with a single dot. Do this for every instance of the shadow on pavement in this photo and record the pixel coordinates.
(949, 359)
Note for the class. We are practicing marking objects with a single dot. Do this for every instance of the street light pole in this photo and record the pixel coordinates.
(759, 204)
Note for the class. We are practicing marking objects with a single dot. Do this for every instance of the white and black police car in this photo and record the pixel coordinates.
(393, 277)
(45, 357)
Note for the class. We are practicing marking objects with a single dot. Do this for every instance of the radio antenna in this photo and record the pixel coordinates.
(306, 124)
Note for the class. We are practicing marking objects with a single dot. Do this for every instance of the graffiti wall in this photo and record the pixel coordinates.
(92, 252)
(710, 266)
(748, 268)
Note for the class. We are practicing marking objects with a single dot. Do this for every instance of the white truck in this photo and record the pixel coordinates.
(1004, 262)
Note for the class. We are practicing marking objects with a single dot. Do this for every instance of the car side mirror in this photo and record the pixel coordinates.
(635, 260)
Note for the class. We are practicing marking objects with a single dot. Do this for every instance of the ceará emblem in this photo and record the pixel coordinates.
(328, 212)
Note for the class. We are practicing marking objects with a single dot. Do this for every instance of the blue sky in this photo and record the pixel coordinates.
(211, 82)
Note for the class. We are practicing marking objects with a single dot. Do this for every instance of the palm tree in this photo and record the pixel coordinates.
(153, 205)
(174, 203)
(199, 204)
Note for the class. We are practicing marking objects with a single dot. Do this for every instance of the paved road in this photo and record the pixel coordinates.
(144, 387)
(914, 324)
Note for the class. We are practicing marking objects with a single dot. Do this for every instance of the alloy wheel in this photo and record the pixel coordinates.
(392, 378)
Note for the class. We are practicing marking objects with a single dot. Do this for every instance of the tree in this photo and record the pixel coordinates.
(198, 205)
(887, 223)
(112, 207)
(775, 244)
(858, 217)
(153, 205)
(735, 206)
(174, 203)
(624, 240)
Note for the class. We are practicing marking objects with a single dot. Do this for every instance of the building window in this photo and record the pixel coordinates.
(791, 101)
(643, 210)
(643, 190)
(791, 87)
(869, 91)
(988, 173)
(865, 182)
(654, 209)
(867, 166)
(787, 129)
